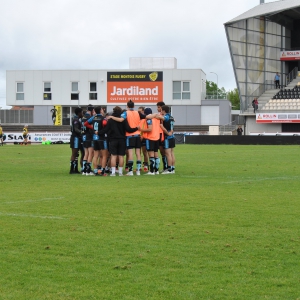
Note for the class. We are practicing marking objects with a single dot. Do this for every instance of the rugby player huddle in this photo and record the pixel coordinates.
(104, 140)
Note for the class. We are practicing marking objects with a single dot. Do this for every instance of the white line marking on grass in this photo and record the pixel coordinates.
(185, 176)
(37, 200)
(31, 216)
(263, 179)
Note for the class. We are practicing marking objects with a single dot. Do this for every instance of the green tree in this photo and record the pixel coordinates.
(214, 92)
(234, 98)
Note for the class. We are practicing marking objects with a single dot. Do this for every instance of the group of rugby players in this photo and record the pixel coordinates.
(104, 140)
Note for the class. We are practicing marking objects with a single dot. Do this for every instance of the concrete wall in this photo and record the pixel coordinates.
(252, 126)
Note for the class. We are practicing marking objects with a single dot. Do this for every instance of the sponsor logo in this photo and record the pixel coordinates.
(134, 90)
(153, 76)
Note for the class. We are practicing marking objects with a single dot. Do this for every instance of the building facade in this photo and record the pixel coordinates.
(147, 82)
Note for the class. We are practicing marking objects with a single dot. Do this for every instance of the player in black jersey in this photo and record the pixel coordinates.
(87, 141)
(75, 140)
(97, 123)
(117, 139)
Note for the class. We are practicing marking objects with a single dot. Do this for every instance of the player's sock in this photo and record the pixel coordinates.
(157, 163)
(88, 167)
(83, 166)
(152, 163)
(138, 165)
(165, 162)
(120, 170)
(76, 165)
(130, 165)
(71, 166)
(113, 170)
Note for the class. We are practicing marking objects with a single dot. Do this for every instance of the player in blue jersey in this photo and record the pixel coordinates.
(75, 140)
(169, 139)
(159, 105)
(97, 123)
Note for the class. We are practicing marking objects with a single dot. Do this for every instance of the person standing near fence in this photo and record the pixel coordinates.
(255, 105)
(276, 80)
(239, 130)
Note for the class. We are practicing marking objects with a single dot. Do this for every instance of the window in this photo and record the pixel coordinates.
(74, 91)
(20, 91)
(47, 91)
(93, 91)
(181, 90)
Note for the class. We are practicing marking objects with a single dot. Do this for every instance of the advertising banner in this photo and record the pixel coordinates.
(278, 118)
(290, 55)
(140, 87)
(56, 115)
(38, 137)
(58, 119)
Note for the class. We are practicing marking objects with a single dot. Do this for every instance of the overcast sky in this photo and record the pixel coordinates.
(96, 34)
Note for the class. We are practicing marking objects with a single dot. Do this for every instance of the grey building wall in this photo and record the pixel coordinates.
(184, 115)
(42, 115)
(187, 115)
(224, 110)
(252, 126)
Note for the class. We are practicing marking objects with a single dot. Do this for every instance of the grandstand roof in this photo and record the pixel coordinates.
(282, 12)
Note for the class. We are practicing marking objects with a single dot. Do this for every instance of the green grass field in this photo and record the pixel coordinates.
(225, 226)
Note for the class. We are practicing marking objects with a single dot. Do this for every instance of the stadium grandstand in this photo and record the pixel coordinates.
(262, 42)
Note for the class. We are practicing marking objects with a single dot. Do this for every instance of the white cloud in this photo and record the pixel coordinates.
(90, 34)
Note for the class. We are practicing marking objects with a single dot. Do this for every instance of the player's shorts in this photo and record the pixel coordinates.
(75, 142)
(117, 147)
(100, 145)
(133, 142)
(1, 136)
(25, 136)
(161, 142)
(152, 145)
(169, 143)
(87, 144)
(143, 142)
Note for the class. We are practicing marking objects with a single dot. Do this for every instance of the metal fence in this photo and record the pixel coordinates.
(215, 96)
(16, 116)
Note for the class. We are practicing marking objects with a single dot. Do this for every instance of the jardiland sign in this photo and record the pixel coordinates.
(140, 87)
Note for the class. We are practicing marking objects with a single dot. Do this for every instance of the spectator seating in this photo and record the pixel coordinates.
(285, 99)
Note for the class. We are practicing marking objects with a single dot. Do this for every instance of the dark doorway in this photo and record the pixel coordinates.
(290, 127)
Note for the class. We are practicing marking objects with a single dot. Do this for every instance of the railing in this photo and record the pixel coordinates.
(259, 91)
(292, 75)
(227, 127)
(268, 85)
(216, 96)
